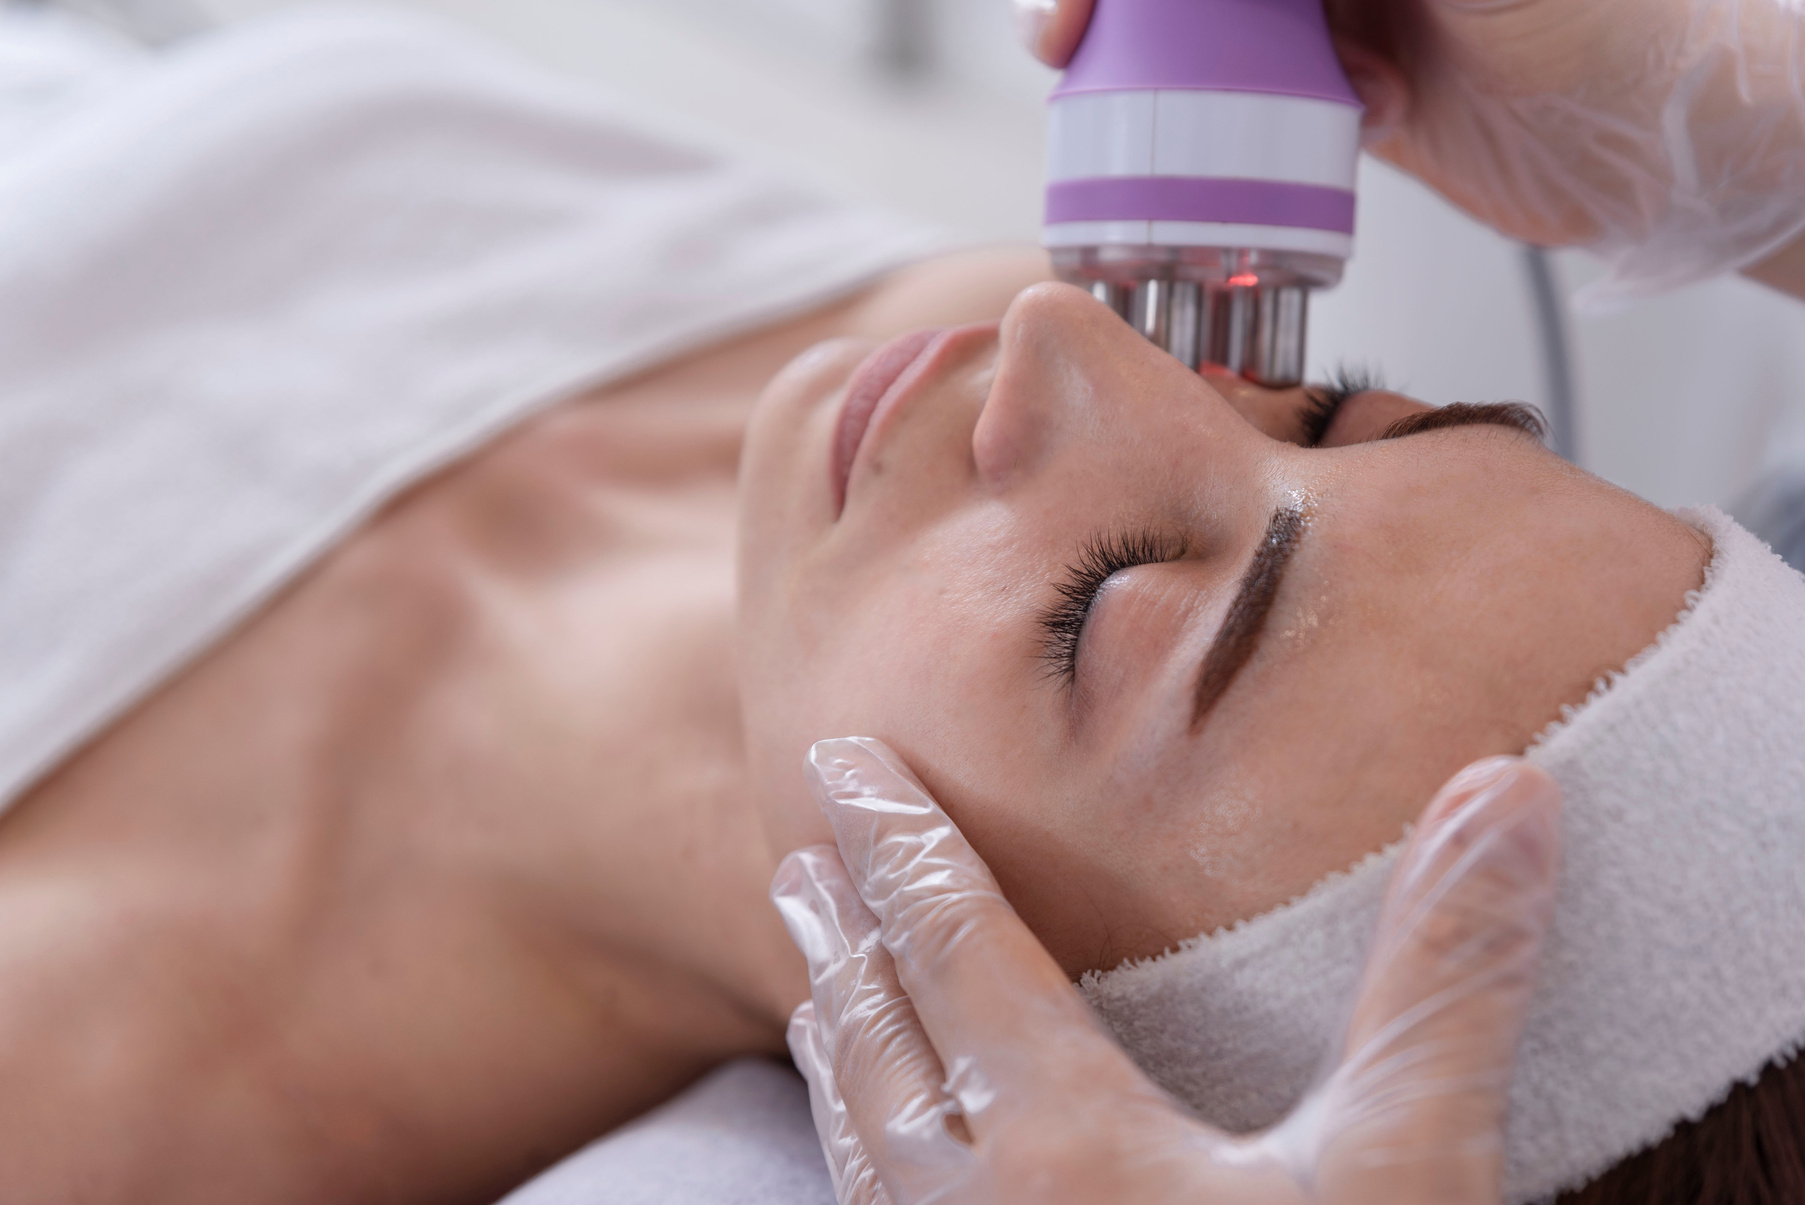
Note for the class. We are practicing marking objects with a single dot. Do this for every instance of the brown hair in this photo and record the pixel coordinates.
(1749, 1150)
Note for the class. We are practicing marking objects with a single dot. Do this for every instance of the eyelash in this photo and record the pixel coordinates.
(1100, 560)
(1323, 402)
(1105, 556)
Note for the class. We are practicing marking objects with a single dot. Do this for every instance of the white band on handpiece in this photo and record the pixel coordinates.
(1173, 132)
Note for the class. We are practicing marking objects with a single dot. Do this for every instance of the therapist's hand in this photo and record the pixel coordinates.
(949, 1059)
(1667, 134)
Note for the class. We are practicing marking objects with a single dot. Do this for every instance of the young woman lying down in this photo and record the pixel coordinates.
(395, 787)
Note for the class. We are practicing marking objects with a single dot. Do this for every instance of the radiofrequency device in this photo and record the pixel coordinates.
(1201, 175)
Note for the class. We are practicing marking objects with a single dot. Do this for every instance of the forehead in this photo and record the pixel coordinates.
(1179, 830)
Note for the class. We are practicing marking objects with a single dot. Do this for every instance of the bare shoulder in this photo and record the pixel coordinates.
(437, 866)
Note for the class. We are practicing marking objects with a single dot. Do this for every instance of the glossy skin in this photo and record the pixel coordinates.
(447, 861)
(1451, 592)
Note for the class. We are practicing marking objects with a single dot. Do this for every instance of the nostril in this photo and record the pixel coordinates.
(1013, 431)
(1004, 444)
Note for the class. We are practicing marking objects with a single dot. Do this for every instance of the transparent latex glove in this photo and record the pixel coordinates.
(950, 1060)
(1668, 136)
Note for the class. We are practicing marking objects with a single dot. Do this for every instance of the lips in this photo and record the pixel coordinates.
(880, 374)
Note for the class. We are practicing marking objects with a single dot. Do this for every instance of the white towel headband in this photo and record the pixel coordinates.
(1676, 966)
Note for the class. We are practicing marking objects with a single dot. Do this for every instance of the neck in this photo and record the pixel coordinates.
(599, 667)
(443, 863)
(448, 845)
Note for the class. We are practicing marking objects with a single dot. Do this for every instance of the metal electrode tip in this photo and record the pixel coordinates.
(1246, 309)
(1249, 328)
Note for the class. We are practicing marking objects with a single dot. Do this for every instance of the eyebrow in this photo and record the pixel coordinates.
(1518, 416)
(1240, 633)
(1239, 636)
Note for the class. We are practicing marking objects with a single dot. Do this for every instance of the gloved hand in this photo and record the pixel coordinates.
(949, 1059)
(1666, 135)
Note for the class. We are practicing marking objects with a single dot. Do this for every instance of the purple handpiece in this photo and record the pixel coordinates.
(1179, 199)
(1201, 174)
(1186, 158)
(1272, 46)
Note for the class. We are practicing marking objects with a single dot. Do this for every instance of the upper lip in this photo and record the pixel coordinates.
(874, 390)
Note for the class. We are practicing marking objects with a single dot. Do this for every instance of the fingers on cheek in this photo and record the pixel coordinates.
(1469, 910)
(892, 1081)
(880, 1035)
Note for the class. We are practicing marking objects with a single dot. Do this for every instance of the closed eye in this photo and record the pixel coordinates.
(1518, 416)
(1062, 624)
(1323, 402)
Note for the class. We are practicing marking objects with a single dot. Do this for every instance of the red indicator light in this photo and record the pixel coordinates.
(1246, 280)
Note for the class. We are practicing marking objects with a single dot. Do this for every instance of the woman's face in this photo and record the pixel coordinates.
(1169, 647)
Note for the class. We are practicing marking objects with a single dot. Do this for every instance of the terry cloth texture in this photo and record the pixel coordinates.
(1676, 965)
(256, 287)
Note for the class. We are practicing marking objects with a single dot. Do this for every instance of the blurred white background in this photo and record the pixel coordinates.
(929, 106)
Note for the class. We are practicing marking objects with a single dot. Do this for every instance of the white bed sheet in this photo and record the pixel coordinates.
(742, 1136)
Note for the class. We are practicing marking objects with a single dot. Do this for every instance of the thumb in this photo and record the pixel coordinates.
(1052, 29)
(1382, 88)
(1416, 1111)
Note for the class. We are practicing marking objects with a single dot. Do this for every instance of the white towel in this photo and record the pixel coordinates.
(251, 291)
(51, 62)
(742, 1136)
(1676, 966)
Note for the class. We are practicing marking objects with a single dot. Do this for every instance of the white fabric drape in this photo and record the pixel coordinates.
(251, 289)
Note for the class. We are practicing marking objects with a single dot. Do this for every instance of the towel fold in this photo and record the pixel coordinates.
(257, 287)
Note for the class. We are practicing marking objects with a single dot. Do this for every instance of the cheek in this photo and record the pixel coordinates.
(832, 651)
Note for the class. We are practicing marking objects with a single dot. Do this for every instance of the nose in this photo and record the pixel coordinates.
(1041, 393)
(1070, 372)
